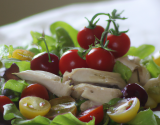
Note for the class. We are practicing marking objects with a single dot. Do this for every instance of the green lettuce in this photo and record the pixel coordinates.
(16, 85)
(5, 51)
(145, 117)
(11, 112)
(153, 68)
(125, 72)
(142, 51)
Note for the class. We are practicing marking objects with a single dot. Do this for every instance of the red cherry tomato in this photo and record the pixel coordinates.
(37, 90)
(42, 63)
(100, 59)
(120, 44)
(87, 36)
(71, 60)
(88, 115)
(4, 100)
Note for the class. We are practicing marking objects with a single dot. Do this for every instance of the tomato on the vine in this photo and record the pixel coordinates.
(37, 90)
(88, 115)
(100, 59)
(71, 60)
(120, 44)
(86, 36)
(4, 100)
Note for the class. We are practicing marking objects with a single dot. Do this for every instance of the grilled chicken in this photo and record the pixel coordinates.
(95, 77)
(95, 93)
(51, 81)
(153, 85)
(88, 104)
(139, 73)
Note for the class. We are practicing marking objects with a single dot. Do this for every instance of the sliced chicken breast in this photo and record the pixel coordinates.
(95, 93)
(95, 77)
(51, 81)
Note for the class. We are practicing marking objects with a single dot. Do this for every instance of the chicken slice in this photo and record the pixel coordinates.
(51, 81)
(153, 85)
(95, 93)
(95, 77)
(88, 104)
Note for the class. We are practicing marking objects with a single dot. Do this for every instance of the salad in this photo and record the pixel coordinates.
(86, 77)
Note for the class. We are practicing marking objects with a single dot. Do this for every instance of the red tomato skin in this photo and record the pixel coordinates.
(4, 100)
(35, 90)
(88, 115)
(120, 44)
(100, 59)
(86, 36)
(71, 60)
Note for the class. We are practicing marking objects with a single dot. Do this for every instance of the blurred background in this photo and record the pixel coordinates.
(14, 10)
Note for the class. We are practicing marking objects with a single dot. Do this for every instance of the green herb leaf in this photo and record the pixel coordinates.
(71, 31)
(125, 72)
(142, 51)
(5, 51)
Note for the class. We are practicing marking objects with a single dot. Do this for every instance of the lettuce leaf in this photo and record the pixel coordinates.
(142, 51)
(5, 51)
(125, 72)
(11, 112)
(153, 68)
(16, 85)
(145, 117)
(69, 119)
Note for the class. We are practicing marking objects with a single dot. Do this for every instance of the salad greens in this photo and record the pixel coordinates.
(64, 37)
(125, 72)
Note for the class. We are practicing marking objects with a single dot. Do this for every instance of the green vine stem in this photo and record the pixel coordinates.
(43, 37)
(91, 24)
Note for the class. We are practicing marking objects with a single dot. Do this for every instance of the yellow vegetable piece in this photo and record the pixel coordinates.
(21, 54)
(125, 110)
(156, 58)
(31, 106)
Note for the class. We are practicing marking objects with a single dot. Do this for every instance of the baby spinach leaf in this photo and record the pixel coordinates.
(71, 31)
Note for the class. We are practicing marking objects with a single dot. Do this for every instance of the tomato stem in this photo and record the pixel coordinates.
(43, 37)
(91, 24)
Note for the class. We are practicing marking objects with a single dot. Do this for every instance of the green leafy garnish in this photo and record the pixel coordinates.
(142, 51)
(122, 69)
(16, 85)
(70, 30)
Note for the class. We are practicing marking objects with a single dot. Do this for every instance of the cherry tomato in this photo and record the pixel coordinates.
(35, 90)
(22, 54)
(156, 58)
(71, 60)
(125, 110)
(100, 59)
(87, 36)
(120, 44)
(4, 100)
(31, 106)
(42, 63)
(88, 115)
